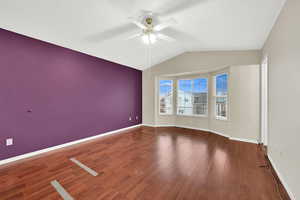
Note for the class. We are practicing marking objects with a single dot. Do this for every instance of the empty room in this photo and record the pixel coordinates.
(149, 100)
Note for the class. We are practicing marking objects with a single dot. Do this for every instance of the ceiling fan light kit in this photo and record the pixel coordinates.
(149, 38)
(150, 32)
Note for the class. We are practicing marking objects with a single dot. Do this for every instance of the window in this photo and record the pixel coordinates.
(166, 97)
(192, 97)
(221, 99)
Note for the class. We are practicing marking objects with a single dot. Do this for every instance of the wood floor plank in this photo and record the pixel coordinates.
(146, 163)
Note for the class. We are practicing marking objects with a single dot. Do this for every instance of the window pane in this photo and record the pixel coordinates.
(184, 98)
(200, 109)
(200, 85)
(222, 85)
(185, 85)
(199, 94)
(221, 95)
(221, 106)
(165, 96)
(192, 97)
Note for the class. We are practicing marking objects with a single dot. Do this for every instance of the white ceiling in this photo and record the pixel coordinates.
(88, 26)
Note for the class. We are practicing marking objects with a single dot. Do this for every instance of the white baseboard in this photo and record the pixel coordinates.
(221, 134)
(203, 129)
(27, 155)
(150, 125)
(280, 176)
(244, 140)
(193, 128)
(189, 127)
(159, 125)
(164, 125)
(207, 130)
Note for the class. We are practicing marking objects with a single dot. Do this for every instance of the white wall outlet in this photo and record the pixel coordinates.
(9, 141)
(129, 118)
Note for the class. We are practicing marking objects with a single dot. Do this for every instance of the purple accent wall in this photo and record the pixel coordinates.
(50, 95)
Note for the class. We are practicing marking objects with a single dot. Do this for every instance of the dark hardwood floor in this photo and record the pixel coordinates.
(146, 163)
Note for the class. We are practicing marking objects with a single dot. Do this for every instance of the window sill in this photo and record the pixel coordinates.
(203, 116)
(161, 114)
(222, 118)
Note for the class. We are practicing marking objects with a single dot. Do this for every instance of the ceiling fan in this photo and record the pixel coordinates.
(150, 28)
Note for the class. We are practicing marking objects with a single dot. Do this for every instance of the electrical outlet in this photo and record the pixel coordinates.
(9, 141)
(129, 118)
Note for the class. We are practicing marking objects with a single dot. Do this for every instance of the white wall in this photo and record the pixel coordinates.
(245, 102)
(283, 50)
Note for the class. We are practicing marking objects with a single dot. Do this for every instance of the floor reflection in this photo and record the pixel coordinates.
(180, 153)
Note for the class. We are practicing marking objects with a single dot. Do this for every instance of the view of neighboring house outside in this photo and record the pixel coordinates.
(192, 97)
(221, 93)
(165, 97)
(190, 103)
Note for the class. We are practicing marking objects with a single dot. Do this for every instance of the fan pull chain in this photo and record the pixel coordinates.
(149, 55)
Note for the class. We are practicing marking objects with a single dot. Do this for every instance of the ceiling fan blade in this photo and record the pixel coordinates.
(164, 25)
(111, 33)
(139, 24)
(134, 36)
(176, 6)
(181, 36)
(165, 37)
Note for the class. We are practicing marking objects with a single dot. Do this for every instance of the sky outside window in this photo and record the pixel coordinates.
(185, 85)
(200, 85)
(196, 85)
(165, 87)
(222, 84)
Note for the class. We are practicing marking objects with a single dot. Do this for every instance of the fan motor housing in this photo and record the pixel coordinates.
(149, 20)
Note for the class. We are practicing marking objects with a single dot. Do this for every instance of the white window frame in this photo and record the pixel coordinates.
(172, 99)
(192, 79)
(215, 97)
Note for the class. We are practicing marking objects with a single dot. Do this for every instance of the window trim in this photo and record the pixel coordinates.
(192, 79)
(215, 96)
(172, 100)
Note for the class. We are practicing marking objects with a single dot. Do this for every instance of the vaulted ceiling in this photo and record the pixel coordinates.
(100, 27)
